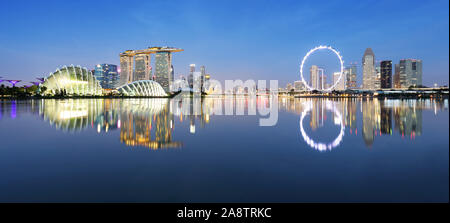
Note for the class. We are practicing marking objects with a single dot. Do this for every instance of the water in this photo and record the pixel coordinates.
(161, 150)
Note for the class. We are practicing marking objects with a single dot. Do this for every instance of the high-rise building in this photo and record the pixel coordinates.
(314, 77)
(202, 77)
(410, 73)
(107, 75)
(126, 68)
(377, 80)
(135, 66)
(142, 69)
(191, 75)
(340, 86)
(386, 74)
(322, 80)
(350, 77)
(397, 76)
(368, 66)
(163, 70)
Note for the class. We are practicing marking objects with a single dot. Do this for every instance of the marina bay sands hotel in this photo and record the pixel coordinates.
(135, 65)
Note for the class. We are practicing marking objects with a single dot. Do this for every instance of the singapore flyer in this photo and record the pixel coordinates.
(321, 146)
(317, 49)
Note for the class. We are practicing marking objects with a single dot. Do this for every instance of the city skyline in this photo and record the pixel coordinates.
(415, 32)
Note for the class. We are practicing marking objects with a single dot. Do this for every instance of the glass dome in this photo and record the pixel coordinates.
(143, 88)
(72, 80)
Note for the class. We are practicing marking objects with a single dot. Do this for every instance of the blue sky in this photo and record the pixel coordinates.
(233, 39)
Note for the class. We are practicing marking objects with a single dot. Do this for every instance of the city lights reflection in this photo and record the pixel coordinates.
(321, 146)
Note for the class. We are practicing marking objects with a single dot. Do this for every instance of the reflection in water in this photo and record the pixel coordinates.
(151, 122)
(318, 115)
(378, 117)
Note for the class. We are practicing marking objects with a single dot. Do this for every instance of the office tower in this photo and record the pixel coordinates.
(107, 75)
(410, 72)
(322, 80)
(126, 68)
(299, 86)
(350, 77)
(340, 86)
(397, 76)
(202, 77)
(142, 68)
(163, 69)
(191, 75)
(377, 80)
(314, 77)
(368, 66)
(386, 74)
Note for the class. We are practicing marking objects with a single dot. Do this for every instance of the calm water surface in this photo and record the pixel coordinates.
(161, 150)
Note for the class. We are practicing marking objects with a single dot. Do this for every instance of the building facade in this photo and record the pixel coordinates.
(368, 66)
(397, 76)
(163, 70)
(386, 74)
(350, 77)
(314, 77)
(410, 73)
(107, 75)
(136, 66)
(142, 70)
(339, 84)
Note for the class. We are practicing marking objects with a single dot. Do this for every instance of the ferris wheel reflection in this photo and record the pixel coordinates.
(322, 146)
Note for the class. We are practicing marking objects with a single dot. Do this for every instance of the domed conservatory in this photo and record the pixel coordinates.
(142, 88)
(73, 81)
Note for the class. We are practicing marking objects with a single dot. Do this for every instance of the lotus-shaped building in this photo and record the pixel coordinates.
(73, 81)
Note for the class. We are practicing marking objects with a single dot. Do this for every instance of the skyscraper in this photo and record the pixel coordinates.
(397, 76)
(386, 74)
(322, 80)
(135, 65)
(410, 72)
(163, 69)
(377, 80)
(126, 68)
(350, 76)
(314, 77)
(107, 75)
(191, 75)
(368, 65)
(142, 68)
(202, 77)
(338, 85)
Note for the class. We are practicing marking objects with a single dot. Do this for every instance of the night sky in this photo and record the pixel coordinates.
(233, 39)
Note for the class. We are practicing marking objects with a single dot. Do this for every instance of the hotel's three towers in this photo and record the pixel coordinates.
(135, 65)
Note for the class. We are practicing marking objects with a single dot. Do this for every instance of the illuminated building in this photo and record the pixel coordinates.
(314, 77)
(72, 81)
(338, 85)
(377, 80)
(397, 76)
(135, 66)
(143, 88)
(191, 75)
(142, 68)
(350, 76)
(410, 72)
(322, 80)
(107, 75)
(386, 74)
(368, 63)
